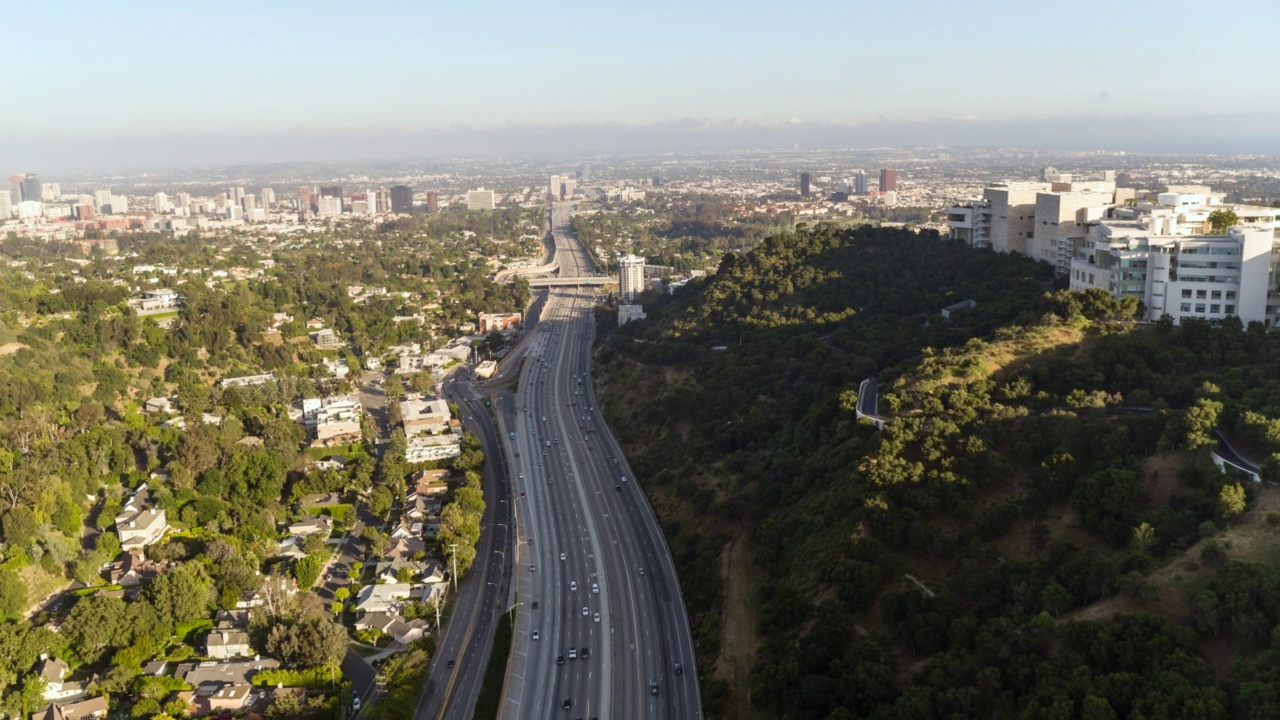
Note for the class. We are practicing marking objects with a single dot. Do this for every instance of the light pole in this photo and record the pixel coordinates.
(511, 611)
(453, 550)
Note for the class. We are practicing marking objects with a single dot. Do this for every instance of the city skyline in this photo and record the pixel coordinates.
(433, 80)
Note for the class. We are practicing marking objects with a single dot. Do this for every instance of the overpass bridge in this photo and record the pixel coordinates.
(584, 280)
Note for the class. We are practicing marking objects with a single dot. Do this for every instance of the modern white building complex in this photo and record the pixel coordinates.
(1156, 246)
(630, 276)
(480, 199)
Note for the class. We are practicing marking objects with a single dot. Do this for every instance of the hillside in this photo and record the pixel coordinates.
(1037, 533)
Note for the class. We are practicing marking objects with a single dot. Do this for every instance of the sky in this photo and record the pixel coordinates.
(180, 80)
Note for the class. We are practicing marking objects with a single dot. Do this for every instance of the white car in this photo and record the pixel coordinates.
(597, 617)
(585, 611)
(595, 588)
(573, 584)
(562, 556)
(536, 634)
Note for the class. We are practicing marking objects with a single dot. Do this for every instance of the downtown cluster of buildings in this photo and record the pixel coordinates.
(855, 186)
(1170, 247)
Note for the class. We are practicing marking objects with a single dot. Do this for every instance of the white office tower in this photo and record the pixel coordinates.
(162, 203)
(119, 204)
(554, 187)
(569, 185)
(101, 199)
(480, 199)
(6, 205)
(51, 191)
(248, 202)
(184, 200)
(268, 197)
(630, 276)
(237, 194)
(330, 206)
(860, 183)
(30, 209)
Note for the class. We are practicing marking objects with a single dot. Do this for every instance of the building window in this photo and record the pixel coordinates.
(1200, 307)
(1231, 294)
(1090, 278)
(1186, 294)
(1186, 307)
(1215, 295)
(1214, 308)
(1199, 293)
(1231, 310)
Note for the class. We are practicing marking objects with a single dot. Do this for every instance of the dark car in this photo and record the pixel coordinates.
(586, 652)
(653, 687)
(559, 659)
(535, 604)
(567, 704)
(449, 664)
(679, 669)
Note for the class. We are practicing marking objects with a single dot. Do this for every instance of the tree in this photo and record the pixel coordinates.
(182, 594)
(394, 386)
(307, 569)
(309, 642)
(1223, 219)
(1231, 501)
(1143, 536)
(13, 594)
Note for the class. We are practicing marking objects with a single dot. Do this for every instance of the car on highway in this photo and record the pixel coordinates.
(533, 568)
(595, 588)
(535, 604)
(536, 634)
(573, 653)
(585, 652)
(562, 556)
(679, 669)
(567, 704)
(653, 686)
(624, 478)
(585, 611)
(641, 572)
(449, 665)
(355, 701)
(618, 488)
(573, 584)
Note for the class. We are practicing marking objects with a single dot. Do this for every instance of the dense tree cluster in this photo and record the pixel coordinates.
(930, 569)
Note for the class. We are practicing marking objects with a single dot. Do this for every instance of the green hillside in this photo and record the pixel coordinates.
(1038, 532)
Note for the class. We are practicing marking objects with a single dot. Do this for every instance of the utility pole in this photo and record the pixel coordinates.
(453, 549)
(437, 604)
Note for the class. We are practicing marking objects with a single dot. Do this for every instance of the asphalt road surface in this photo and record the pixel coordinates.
(589, 550)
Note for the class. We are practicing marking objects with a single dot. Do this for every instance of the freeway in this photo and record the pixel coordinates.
(601, 627)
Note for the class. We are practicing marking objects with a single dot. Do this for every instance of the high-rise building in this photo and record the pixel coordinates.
(657, 181)
(329, 206)
(51, 191)
(102, 199)
(401, 199)
(162, 203)
(119, 204)
(248, 202)
(236, 194)
(888, 180)
(32, 189)
(331, 191)
(860, 183)
(480, 199)
(184, 201)
(268, 197)
(586, 173)
(554, 187)
(84, 212)
(433, 201)
(6, 204)
(804, 184)
(630, 277)
(567, 187)
(384, 201)
(15, 188)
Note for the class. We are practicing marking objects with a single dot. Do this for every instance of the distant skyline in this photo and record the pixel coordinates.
(179, 80)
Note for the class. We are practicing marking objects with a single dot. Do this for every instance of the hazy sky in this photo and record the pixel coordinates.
(95, 70)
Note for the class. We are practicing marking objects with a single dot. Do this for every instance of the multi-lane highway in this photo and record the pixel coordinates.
(601, 628)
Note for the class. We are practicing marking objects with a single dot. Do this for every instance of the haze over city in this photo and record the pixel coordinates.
(139, 84)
